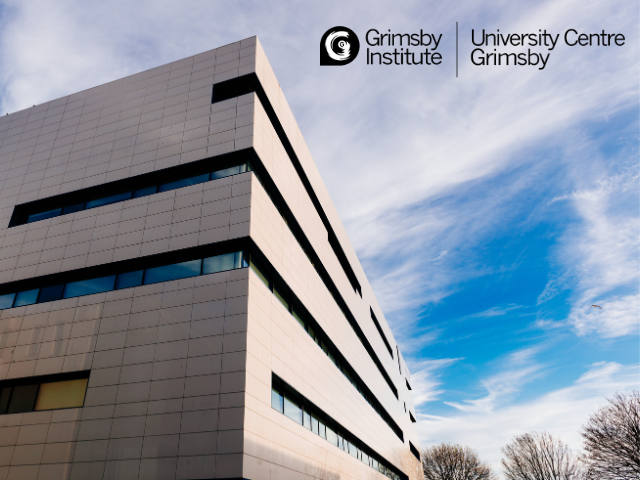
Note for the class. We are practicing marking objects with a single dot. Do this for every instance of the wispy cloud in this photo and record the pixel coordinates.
(518, 369)
(425, 380)
(598, 258)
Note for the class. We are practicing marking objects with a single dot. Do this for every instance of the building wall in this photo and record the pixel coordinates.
(166, 397)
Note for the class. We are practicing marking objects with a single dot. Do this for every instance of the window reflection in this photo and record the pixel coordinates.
(141, 192)
(165, 273)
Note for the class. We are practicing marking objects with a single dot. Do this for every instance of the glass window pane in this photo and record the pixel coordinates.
(107, 200)
(143, 192)
(260, 274)
(87, 287)
(73, 208)
(306, 420)
(277, 401)
(281, 297)
(6, 301)
(4, 399)
(314, 425)
(43, 215)
(353, 451)
(184, 182)
(297, 316)
(292, 410)
(222, 263)
(225, 172)
(66, 394)
(129, 279)
(322, 430)
(172, 272)
(332, 437)
(50, 294)
(28, 297)
(23, 398)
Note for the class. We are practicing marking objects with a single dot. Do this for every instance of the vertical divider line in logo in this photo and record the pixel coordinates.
(456, 49)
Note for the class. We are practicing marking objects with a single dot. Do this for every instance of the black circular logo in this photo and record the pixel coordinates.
(339, 46)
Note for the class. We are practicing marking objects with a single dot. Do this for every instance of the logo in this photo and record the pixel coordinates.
(339, 46)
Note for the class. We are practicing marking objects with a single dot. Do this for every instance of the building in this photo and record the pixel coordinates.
(178, 297)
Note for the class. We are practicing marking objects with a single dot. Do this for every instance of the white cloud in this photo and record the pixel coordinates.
(599, 258)
(425, 380)
(560, 412)
(518, 368)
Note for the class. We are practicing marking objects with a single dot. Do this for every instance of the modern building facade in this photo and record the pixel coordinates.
(178, 297)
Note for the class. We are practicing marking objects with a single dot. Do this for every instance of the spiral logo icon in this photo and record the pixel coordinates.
(339, 46)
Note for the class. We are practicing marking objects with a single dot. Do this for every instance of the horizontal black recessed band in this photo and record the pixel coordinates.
(414, 450)
(22, 212)
(140, 263)
(286, 390)
(288, 298)
(382, 335)
(56, 377)
(249, 84)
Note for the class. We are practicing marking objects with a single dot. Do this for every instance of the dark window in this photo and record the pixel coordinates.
(413, 420)
(414, 450)
(314, 330)
(50, 294)
(286, 400)
(408, 386)
(88, 287)
(26, 214)
(143, 192)
(185, 182)
(26, 298)
(48, 392)
(280, 296)
(23, 398)
(120, 197)
(129, 279)
(222, 263)
(72, 208)
(382, 335)
(172, 272)
(6, 301)
(44, 215)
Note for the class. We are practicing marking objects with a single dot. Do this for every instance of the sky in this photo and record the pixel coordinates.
(489, 210)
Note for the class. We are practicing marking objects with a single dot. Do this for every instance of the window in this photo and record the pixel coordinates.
(414, 450)
(86, 287)
(164, 273)
(51, 392)
(408, 386)
(413, 420)
(21, 217)
(309, 324)
(172, 272)
(286, 400)
(292, 410)
(382, 335)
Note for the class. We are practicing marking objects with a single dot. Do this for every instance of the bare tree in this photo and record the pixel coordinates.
(612, 439)
(535, 456)
(453, 462)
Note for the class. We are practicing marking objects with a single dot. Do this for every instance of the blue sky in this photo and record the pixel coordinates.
(489, 211)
